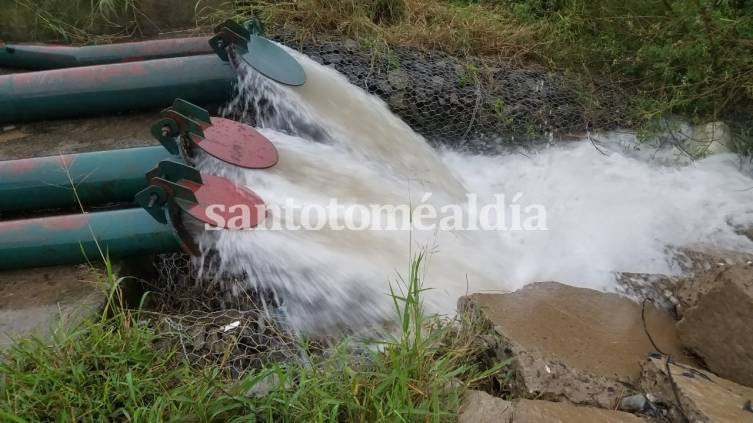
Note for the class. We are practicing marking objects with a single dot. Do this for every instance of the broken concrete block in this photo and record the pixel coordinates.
(719, 326)
(531, 411)
(480, 407)
(694, 394)
(573, 344)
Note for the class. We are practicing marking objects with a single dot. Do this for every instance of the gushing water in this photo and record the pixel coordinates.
(605, 213)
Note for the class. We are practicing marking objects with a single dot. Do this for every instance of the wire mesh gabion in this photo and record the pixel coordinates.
(471, 103)
(215, 319)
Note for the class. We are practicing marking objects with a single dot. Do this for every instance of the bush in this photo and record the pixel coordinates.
(686, 56)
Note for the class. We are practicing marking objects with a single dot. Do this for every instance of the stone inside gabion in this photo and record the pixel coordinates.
(185, 284)
(472, 103)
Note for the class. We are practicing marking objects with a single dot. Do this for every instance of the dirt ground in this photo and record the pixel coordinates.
(76, 135)
(37, 301)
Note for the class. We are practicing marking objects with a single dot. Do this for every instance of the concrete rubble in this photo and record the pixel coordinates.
(574, 344)
(695, 395)
(574, 347)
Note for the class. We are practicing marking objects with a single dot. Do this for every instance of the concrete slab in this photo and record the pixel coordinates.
(480, 407)
(702, 396)
(574, 344)
(529, 411)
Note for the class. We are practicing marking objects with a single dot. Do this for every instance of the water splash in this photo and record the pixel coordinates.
(606, 212)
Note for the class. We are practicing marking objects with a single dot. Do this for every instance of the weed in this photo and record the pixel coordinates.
(111, 369)
(77, 21)
(469, 75)
(500, 111)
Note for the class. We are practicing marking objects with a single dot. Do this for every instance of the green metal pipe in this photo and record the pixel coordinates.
(101, 89)
(36, 57)
(81, 238)
(99, 178)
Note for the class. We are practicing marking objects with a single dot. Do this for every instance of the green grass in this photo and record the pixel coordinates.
(690, 57)
(72, 21)
(112, 369)
(687, 57)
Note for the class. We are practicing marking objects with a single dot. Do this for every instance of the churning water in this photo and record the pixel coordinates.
(605, 213)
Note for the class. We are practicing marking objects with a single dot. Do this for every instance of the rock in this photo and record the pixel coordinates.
(710, 138)
(398, 79)
(574, 344)
(718, 327)
(264, 386)
(704, 275)
(480, 407)
(675, 294)
(635, 403)
(396, 100)
(198, 336)
(703, 396)
(699, 260)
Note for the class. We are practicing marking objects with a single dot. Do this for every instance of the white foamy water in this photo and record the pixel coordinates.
(605, 213)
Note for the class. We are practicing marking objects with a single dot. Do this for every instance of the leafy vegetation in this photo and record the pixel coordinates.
(75, 21)
(114, 369)
(689, 56)
(676, 56)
